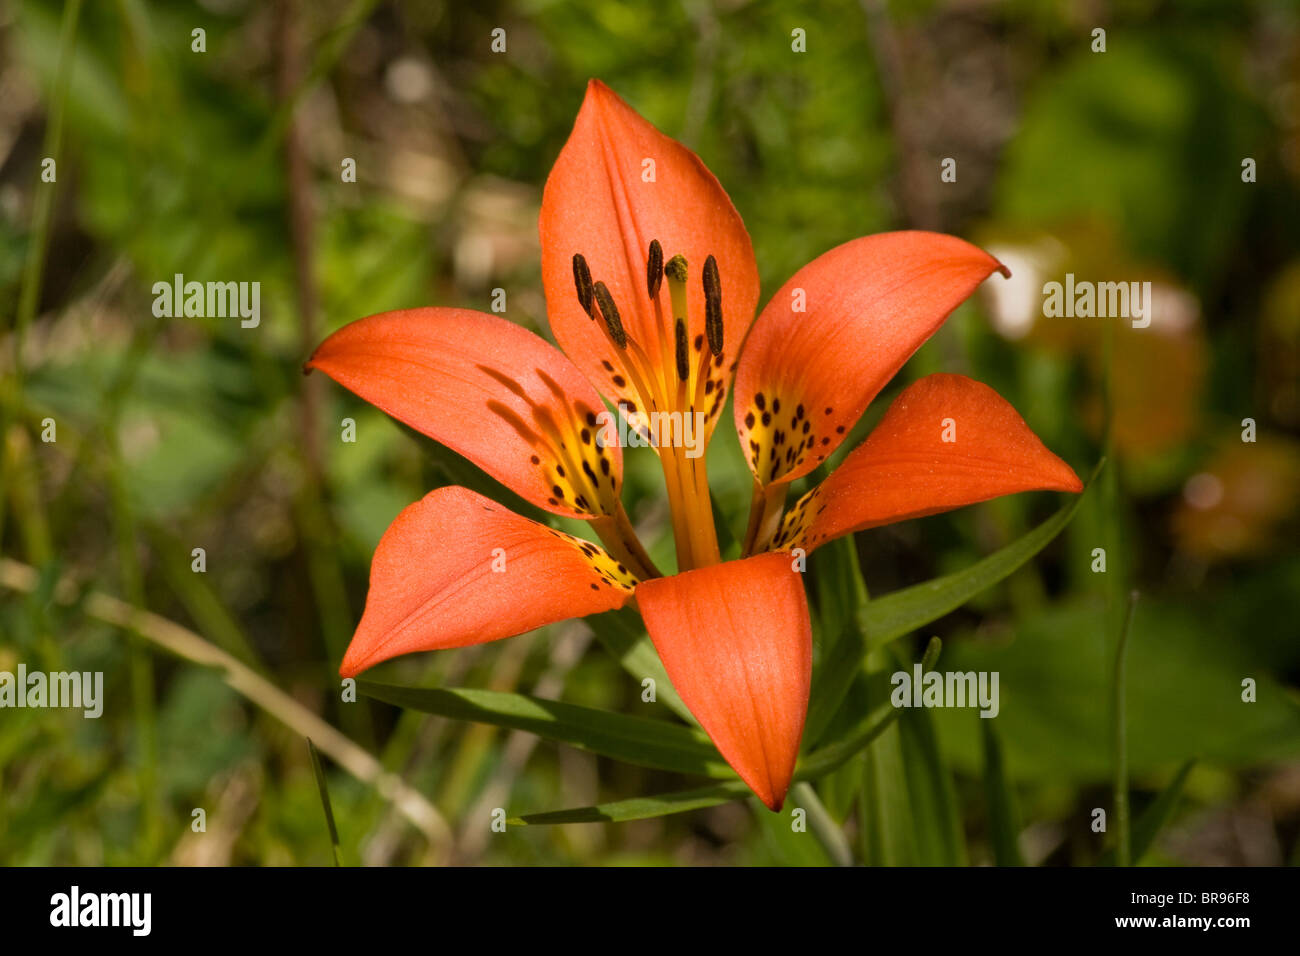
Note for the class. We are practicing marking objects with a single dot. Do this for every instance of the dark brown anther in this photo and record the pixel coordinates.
(713, 305)
(610, 312)
(582, 282)
(654, 270)
(683, 352)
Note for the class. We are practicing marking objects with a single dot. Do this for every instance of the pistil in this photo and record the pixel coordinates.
(692, 506)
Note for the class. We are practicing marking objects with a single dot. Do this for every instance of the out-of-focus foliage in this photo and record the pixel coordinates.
(174, 434)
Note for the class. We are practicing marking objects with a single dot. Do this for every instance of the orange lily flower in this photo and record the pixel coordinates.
(656, 336)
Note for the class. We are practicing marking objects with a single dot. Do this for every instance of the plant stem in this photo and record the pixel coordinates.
(1123, 835)
(11, 395)
(823, 825)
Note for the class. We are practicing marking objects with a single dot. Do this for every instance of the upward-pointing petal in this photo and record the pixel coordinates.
(835, 334)
(494, 392)
(617, 185)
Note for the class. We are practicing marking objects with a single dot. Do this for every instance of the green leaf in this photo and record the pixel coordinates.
(637, 740)
(1183, 701)
(826, 759)
(840, 592)
(890, 617)
(1004, 826)
(817, 764)
(1154, 818)
(639, 808)
(871, 725)
(818, 840)
(838, 584)
(937, 830)
(884, 815)
(908, 809)
(839, 790)
(831, 682)
(620, 633)
(319, 773)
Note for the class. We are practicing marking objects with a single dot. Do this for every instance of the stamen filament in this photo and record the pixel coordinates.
(766, 508)
(656, 389)
(687, 478)
(621, 541)
(683, 358)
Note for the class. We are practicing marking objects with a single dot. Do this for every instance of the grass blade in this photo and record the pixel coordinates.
(1004, 823)
(319, 772)
(1153, 818)
(1119, 726)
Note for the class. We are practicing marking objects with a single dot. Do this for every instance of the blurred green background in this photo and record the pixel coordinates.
(176, 434)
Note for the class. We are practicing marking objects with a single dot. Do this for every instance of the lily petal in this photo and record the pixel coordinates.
(456, 568)
(834, 334)
(618, 184)
(490, 390)
(947, 441)
(737, 643)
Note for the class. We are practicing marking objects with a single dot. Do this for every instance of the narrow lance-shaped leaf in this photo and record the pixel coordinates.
(934, 802)
(636, 740)
(1004, 825)
(834, 754)
(319, 773)
(890, 617)
(840, 593)
(816, 765)
(884, 812)
(619, 632)
(885, 819)
(640, 808)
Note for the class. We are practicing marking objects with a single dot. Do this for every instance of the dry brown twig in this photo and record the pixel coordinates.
(185, 644)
